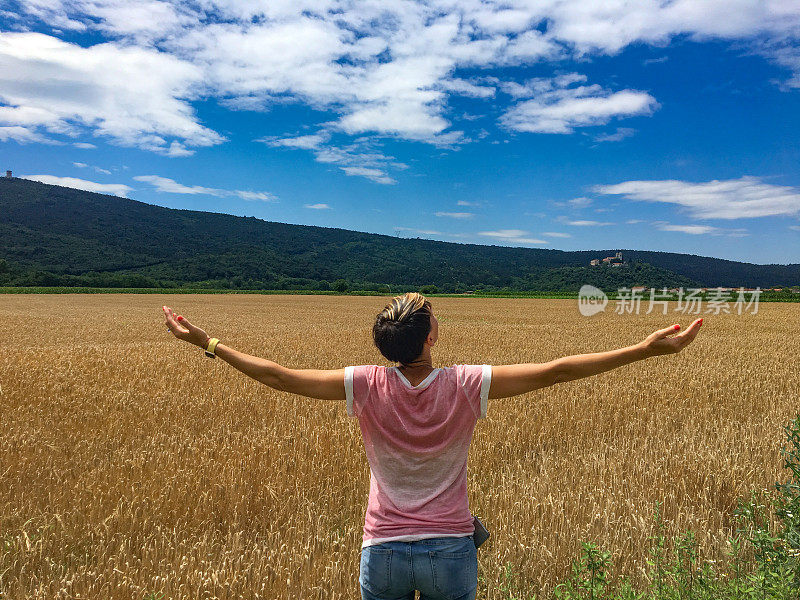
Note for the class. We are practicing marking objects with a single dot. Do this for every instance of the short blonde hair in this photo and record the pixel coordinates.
(401, 306)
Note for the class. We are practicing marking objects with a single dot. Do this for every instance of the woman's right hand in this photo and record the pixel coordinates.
(659, 342)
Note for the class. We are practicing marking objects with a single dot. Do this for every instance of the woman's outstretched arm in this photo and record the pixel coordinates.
(511, 380)
(314, 383)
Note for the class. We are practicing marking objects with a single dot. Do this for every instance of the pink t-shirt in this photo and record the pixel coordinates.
(416, 439)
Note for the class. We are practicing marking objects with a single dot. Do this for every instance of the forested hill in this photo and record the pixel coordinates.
(61, 236)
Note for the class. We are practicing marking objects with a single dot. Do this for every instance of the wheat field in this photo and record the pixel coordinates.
(133, 467)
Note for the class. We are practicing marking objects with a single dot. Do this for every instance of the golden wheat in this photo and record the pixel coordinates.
(133, 467)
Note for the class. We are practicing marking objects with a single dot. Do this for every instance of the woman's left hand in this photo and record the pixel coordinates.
(183, 330)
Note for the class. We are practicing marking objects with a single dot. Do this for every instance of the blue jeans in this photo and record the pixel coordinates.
(439, 568)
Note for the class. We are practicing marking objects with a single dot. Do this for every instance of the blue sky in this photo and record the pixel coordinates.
(553, 124)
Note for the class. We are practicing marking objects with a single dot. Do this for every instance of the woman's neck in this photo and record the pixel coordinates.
(417, 370)
(423, 361)
(422, 366)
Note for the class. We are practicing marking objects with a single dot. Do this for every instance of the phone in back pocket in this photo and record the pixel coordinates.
(481, 533)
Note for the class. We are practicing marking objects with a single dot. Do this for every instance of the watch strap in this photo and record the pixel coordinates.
(212, 346)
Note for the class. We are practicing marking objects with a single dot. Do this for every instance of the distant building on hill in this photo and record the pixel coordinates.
(8, 174)
(614, 261)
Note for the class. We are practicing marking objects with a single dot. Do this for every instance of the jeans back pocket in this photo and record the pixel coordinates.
(376, 569)
(454, 573)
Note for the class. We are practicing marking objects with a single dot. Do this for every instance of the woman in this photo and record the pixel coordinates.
(417, 423)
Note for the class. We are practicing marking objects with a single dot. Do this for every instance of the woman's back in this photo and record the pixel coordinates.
(416, 439)
(417, 530)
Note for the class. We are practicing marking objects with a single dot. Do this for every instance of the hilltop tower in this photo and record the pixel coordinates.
(8, 174)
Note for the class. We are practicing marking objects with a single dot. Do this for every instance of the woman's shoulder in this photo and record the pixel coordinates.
(370, 372)
(461, 367)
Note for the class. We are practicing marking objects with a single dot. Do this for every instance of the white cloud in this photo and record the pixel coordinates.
(556, 108)
(701, 229)
(320, 206)
(618, 136)
(23, 135)
(794, 227)
(385, 68)
(360, 158)
(462, 87)
(454, 215)
(117, 189)
(170, 186)
(786, 55)
(582, 223)
(62, 88)
(467, 203)
(504, 233)
(581, 202)
(84, 145)
(245, 195)
(81, 165)
(420, 231)
(610, 27)
(557, 234)
(376, 175)
(691, 229)
(512, 236)
(746, 197)
(143, 20)
(305, 142)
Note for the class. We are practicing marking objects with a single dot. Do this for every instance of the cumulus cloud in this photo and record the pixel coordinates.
(116, 189)
(746, 197)
(380, 68)
(62, 88)
(23, 135)
(170, 186)
(558, 108)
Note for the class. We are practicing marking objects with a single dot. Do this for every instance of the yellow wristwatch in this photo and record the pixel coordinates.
(212, 345)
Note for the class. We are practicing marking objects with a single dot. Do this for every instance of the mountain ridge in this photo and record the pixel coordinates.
(70, 236)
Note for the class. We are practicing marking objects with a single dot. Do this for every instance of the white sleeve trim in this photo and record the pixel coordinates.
(486, 382)
(348, 389)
